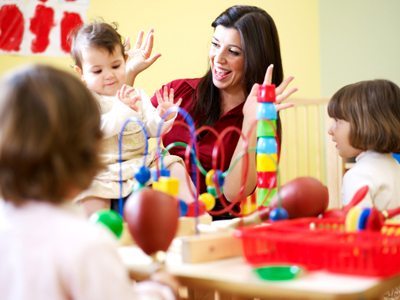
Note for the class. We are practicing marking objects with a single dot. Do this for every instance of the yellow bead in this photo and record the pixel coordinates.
(352, 218)
(267, 162)
(169, 185)
(208, 200)
(209, 178)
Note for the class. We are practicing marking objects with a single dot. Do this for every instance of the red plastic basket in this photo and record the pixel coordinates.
(322, 244)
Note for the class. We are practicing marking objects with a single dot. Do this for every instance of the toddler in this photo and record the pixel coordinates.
(100, 60)
(49, 139)
(367, 126)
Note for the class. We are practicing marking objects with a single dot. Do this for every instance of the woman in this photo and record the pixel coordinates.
(244, 52)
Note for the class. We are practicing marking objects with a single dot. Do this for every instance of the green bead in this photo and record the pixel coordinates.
(262, 194)
(212, 190)
(266, 128)
(110, 219)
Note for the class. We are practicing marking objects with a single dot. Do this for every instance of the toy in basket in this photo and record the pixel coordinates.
(316, 243)
(351, 240)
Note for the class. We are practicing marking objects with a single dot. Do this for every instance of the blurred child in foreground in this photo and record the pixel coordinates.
(49, 144)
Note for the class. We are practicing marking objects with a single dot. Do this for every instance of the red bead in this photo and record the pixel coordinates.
(191, 212)
(266, 180)
(266, 93)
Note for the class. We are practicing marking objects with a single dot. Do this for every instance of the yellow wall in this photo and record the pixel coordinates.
(183, 31)
(182, 34)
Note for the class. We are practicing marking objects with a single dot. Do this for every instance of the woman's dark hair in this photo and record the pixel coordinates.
(373, 110)
(49, 135)
(261, 48)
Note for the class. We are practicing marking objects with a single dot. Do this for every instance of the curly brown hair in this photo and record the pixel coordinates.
(49, 135)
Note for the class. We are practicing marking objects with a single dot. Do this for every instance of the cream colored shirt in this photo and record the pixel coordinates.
(114, 115)
(51, 252)
(381, 172)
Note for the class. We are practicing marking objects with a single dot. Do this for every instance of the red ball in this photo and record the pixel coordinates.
(152, 218)
(302, 197)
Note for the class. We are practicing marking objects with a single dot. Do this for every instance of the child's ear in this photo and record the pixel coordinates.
(78, 70)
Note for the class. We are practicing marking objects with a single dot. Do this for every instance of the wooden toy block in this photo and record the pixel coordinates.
(206, 247)
(187, 225)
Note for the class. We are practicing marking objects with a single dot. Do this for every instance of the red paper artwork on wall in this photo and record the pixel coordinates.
(39, 27)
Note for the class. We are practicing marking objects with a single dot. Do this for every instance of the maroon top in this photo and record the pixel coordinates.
(185, 89)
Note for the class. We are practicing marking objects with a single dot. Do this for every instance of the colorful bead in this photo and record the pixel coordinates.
(264, 196)
(267, 180)
(169, 185)
(278, 213)
(266, 93)
(142, 175)
(266, 111)
(266, 128)
(267, 162)
(267, 145)
(208, 200)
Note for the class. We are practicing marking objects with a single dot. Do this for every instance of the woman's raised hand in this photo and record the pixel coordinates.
(281, 91)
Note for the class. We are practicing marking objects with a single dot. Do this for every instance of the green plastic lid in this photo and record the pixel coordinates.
(278, 272)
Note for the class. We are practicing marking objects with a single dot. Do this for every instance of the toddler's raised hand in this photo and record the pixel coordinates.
(166, 101)
(140, 57)
(128, 95)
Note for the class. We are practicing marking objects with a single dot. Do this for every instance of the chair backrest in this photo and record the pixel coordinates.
(307, 149)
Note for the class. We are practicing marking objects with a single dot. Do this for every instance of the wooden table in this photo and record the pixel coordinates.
(233, 278)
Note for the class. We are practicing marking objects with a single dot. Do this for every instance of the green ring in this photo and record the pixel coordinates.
(278, 272)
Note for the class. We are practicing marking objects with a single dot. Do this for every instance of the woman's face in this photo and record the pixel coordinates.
(227, 60)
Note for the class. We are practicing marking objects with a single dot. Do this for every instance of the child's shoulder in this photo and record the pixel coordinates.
(80, 229)
(368, 158)
(57, 228)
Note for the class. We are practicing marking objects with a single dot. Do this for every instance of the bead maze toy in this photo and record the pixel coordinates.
(290, 201)
(350, 240)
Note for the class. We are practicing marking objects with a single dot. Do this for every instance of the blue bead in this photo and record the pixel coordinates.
(363, 218)
(158, 173)
(278, 213)
(266, 111)
(165, 173)
(183, 208)
(143, 175)
(267, 145)
(219, 178)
